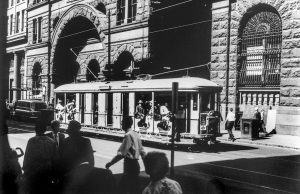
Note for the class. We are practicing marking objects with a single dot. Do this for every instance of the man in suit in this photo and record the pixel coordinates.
(58, 138)
(55, 134)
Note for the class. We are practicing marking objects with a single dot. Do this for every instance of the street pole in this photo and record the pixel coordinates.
(228, 58)
(109, 48)
(174, 111)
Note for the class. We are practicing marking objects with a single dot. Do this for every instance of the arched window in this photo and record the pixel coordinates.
(101, 7)
(36, 79)
(93, 70)
(124, 66)
(260, 50)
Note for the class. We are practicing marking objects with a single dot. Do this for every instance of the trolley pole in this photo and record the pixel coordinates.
(174, 111)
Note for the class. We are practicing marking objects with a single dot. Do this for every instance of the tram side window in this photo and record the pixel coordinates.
(70, 107)
(143, 108)
(208, 101)
(143, 104)
(95, 108)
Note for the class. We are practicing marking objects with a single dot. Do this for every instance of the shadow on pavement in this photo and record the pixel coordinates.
(247, 175)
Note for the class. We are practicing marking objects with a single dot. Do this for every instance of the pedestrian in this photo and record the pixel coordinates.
(10, 169)
(39, 160)
(180, 122)
(256, 123)
(262, 121)
(59, 139)
(130, 150)
(230, 119)
(157, 166)
(212, 126)
(87, 179)
(55, 134)
(75, 150)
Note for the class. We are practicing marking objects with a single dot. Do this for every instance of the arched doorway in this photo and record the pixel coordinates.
(93, 70)
(259, 57)
(36, 79)
(71, 41)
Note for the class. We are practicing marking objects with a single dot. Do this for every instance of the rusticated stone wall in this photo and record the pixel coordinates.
(43, 61)
(289, 11)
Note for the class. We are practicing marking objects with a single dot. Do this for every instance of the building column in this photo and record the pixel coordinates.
(15, 82)
(25, 76)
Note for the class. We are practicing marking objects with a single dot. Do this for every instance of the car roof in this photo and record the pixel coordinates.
(37, 101)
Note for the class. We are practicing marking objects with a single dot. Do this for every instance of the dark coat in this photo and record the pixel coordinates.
(61, 137)
(74, 151)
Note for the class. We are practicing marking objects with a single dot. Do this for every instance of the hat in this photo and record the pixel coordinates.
(256, 108)
(140, 102)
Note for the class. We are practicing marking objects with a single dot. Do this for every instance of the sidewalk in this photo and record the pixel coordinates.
(276, 140)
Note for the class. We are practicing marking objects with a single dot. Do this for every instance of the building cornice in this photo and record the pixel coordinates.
(38, 5)
(127, 27)
(15, 38)
(35, 46)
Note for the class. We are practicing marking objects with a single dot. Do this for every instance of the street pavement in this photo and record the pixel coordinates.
(266, 165)
(276, 140)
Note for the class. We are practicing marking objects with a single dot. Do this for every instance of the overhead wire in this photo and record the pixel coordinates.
(176, 70)
(170, 6)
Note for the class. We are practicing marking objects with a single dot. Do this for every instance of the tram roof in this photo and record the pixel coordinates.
(184, 84)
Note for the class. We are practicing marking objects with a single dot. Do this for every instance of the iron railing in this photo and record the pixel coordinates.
(259, 59)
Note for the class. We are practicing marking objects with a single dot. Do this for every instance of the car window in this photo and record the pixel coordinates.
(39, 106)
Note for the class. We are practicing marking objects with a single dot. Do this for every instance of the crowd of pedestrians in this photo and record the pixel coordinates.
(54, 163)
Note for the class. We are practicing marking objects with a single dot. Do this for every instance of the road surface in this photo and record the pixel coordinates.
(241, 167)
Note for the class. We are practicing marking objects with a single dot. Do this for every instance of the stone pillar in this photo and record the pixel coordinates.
(277, 100)
(271, 100)
(254, 99)
(244, 98)
(25, 75)
(249, 99)
(259, 99)
(265, 103)
(15, 82)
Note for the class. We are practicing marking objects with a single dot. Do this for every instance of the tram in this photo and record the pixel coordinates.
(101, 105)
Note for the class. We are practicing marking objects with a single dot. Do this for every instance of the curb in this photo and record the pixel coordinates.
(248, 141)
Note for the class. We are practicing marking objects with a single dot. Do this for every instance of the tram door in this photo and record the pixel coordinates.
(95, 108)
(194, 113)
(125, 104)
(81, 108)
(109, 108)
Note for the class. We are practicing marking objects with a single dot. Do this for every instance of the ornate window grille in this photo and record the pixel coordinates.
(260, 51)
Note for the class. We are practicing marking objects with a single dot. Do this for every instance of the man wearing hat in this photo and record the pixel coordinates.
(139, 110)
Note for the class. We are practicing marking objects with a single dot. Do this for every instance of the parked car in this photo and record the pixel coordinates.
(30, 109)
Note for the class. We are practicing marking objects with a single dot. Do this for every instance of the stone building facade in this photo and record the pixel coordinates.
(16, 48)
(72, 37)
(255, 57)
